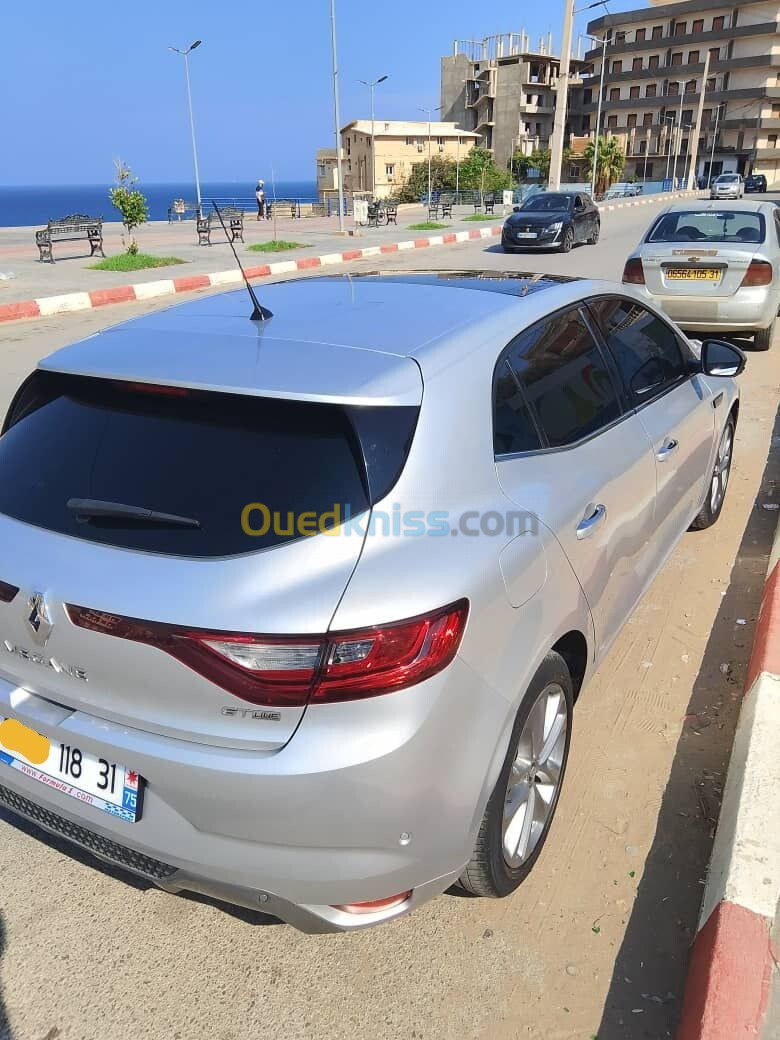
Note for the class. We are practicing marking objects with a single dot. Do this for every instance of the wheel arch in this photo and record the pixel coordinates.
(573, 648)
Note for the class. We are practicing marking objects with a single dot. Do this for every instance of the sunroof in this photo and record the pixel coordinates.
(509, 283)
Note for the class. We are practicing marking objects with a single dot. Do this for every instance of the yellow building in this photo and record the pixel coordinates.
(398, 145)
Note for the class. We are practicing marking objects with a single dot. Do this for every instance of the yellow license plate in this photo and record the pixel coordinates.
(693, 274)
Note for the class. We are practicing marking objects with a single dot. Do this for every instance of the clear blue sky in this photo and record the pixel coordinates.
(84, 81)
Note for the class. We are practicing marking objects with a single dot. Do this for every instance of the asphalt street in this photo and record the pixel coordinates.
(594, 944)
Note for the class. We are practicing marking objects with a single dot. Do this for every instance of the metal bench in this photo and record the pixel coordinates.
(234, 223)
(391, 212)
(446, 206)
(490, 203)
(70, 229)
(179, 208)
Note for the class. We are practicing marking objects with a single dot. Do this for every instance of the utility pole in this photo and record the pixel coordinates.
(697, 131)
(336, 115)
(561, 97)
(679, 136)
(430, 112)
(714, 139)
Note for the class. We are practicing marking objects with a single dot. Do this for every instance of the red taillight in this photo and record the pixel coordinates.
(153, 388)
(290, 671)
(759, 272)
(375, 905)
(7, 592)
(633, 272)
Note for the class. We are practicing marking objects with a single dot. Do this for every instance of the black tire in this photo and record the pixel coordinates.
(762, 339)
(595, 236)
(487, 872)
(707, 515)
(568, 240)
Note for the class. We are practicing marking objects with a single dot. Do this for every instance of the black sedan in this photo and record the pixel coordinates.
(756, 182)
(552, 220)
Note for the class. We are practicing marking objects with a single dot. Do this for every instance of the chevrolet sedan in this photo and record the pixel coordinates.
(713, 267)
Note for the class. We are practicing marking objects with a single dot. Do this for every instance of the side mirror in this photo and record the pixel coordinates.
(719, 358)
(516, 209)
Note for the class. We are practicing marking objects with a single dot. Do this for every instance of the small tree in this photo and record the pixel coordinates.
(539, 159)
(416, 184)
(130, 202)
(479, 171)
(610, 162)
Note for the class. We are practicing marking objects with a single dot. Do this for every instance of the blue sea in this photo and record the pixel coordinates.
(21, 206)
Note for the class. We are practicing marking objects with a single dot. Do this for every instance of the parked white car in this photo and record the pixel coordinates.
(713, 267)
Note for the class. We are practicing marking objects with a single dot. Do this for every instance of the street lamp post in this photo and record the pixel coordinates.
(371, 83)
(669, 115)
(186, 55)
(430, 112)
(603, 42)
(336, 116)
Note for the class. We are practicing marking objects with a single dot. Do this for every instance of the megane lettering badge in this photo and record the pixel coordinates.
(38, 619)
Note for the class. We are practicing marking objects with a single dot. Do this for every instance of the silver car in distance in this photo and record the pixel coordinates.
(294, 612)
(713, 267)
(727, 186)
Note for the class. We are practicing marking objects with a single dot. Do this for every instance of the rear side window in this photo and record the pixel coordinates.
(645, 349)
(513, 427)
(199, 456)
(564, 379)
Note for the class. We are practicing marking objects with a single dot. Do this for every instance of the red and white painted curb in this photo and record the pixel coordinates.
(45, 306)
(730, 972)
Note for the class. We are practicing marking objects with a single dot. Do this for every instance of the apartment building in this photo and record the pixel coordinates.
(327, 174)
(504, 91)
(653, 78)
(398, 144)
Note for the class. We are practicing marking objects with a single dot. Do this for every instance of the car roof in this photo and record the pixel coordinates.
(349, 339)
(719, 205)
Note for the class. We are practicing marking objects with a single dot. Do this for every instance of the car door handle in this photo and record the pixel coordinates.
(589, 523)
(669, 446)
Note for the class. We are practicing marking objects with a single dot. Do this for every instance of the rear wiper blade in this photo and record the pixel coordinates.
(93, 508)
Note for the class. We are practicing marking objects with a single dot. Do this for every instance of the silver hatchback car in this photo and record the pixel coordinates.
(727, 186)
(713, 267)
(294, 612)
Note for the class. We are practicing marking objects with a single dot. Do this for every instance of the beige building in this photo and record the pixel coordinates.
(327, 174)
(399, 144)
(655, 59)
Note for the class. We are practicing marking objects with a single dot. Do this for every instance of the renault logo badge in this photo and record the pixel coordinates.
(38, 619)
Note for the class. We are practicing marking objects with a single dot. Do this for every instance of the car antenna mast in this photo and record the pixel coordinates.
(259, 313)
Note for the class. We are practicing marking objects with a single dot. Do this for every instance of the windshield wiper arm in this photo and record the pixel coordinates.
(92, 508)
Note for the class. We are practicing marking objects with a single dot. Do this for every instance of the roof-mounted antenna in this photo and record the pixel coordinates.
(259, 313)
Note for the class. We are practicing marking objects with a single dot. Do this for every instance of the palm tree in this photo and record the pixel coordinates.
(610, 163)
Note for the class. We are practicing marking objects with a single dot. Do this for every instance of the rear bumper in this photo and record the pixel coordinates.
(358, 806)
(749, 310)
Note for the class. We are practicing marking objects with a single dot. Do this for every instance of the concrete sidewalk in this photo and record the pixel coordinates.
(70, 284)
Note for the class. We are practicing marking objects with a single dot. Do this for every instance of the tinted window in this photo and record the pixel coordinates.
(513, 427)
(564, 378)
(709, 226)
(645, 349)
(201, 456)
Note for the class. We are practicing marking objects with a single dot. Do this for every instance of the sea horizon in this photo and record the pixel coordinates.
(26, 205)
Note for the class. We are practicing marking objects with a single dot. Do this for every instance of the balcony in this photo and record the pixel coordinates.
(710, 38)
(756, 61)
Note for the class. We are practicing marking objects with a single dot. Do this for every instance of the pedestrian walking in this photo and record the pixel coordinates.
(260, 196)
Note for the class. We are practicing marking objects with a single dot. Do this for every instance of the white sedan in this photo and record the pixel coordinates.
(713, 267)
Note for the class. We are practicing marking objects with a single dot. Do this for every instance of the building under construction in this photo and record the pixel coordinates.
(503, 90)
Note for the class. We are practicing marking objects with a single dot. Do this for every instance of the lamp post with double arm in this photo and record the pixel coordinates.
(371, 84)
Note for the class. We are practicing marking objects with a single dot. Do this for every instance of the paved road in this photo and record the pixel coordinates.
(595, 942)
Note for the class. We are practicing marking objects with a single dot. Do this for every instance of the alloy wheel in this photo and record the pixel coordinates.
(535, 776)
(720, 474)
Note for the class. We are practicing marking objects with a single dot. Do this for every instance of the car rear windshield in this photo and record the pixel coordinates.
(709, 226)
(551, 203)
(196, 456)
